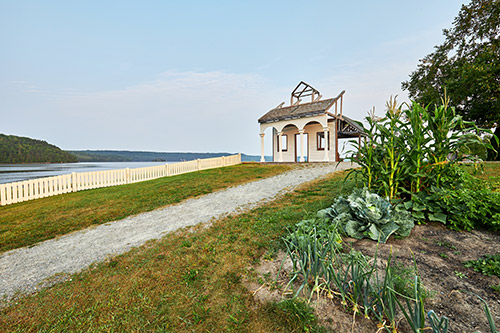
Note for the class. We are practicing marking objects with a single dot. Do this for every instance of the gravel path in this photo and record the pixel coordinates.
(28, 269)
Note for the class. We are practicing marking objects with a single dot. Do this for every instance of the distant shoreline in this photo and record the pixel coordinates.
(147, 156)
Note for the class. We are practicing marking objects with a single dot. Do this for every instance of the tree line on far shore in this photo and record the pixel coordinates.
(16, 149)
(19, 150)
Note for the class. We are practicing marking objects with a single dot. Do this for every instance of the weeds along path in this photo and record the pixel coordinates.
(29, 269)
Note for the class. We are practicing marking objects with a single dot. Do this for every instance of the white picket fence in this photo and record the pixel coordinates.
(45, 187)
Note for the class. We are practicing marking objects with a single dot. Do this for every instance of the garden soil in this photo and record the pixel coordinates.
(440, 254)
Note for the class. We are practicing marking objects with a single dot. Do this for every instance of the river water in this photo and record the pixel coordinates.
(17, 172)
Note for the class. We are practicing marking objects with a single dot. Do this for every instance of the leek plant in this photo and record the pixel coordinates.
(321, 265)
(489, 316)
(311, 255)
(414, 311)
(438, 325)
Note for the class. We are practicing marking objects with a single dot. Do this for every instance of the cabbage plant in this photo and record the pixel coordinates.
(366, 214)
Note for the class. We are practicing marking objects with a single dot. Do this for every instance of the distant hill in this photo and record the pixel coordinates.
(17, 149)
(146, 156)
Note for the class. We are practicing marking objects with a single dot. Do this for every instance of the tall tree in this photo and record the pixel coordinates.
(467, 65)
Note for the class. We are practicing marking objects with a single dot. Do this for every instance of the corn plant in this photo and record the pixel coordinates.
(390, 135)
(410, 149)
(367, 153)
(416, 141)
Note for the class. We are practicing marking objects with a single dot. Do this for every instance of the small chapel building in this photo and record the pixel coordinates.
(308, 131)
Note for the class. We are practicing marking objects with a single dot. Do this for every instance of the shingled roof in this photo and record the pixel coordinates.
(298, 111)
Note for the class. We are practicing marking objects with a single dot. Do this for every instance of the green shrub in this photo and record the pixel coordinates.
(463, 202)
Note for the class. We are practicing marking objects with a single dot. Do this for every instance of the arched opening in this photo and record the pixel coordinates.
(286, 143)
(267, 143)
(317, 142)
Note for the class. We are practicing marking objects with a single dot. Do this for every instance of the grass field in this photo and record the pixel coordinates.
(191, 280)
(186, 281)
(30, 222)
(486, 171)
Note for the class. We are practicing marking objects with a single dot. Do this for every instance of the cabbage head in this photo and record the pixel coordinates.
(365, 214)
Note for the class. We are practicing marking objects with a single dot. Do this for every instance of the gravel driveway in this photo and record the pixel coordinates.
(28, 269)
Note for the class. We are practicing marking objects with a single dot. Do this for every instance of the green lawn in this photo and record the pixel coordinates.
(489, 171)
(187, 281)
(30, 222)
(191, 280)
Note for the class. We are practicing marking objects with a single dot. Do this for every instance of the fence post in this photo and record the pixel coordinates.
(128, 176)
(239, 158)
(74, 185)
(198, 164)
(223, 161)
(167, 170)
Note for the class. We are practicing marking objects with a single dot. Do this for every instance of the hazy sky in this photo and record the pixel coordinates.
(196, 75)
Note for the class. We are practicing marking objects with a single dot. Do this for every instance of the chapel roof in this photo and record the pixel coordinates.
(298, 111)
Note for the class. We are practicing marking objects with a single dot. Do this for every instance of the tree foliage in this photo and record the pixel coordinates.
(466, 65)
(16, 149)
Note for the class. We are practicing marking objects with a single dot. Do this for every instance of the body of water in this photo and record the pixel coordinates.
(18, 172)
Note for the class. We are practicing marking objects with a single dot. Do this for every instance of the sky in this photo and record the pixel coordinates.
(196, 75)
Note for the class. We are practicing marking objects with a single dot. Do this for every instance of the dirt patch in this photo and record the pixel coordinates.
(440, 254)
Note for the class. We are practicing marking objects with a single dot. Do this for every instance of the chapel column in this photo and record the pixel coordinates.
(262, 159)
(301, 158)
(325, 134)
(280, 143)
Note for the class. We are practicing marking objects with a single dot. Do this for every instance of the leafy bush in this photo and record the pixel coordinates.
(463, 203)
(365, 214)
